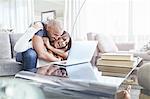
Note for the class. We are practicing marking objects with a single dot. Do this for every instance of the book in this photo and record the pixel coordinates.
(117, 56)
(118, 71)
(113, 74)
(113, 69)
(117, 63)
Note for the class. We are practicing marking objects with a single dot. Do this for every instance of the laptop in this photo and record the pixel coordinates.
(80, 52)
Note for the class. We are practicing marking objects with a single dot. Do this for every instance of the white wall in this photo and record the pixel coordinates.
(47, 5)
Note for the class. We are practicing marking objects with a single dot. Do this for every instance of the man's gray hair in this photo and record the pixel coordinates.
(55, 23)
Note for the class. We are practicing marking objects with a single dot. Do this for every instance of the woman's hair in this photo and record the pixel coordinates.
(69, 44)
(63, 36)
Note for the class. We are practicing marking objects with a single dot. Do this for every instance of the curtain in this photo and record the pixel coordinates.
(124, 20)
(5, 13)
(109, 17)
(141, 22)
(75, 18)
(16, 14)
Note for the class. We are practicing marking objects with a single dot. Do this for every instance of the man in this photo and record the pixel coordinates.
(31, 46)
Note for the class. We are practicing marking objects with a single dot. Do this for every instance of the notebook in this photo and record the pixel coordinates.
(80, 52)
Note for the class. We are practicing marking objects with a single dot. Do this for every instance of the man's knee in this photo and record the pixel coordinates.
(29, 60)
(30, 54)
(19, 57)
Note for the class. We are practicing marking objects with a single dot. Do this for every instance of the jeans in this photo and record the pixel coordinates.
(28, 59)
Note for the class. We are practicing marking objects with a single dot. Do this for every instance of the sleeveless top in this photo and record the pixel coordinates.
(42, 32)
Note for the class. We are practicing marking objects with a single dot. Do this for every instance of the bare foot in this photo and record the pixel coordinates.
(124, 94)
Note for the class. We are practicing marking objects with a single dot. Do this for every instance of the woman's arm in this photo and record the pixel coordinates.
(59, 52)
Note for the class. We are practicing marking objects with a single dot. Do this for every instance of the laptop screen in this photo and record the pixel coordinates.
(82, 51)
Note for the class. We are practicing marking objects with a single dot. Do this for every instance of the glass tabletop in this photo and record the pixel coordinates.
(104, 86)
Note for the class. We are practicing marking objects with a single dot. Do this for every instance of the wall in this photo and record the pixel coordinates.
(47, 5)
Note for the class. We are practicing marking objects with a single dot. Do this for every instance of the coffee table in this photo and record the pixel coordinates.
(59, 88)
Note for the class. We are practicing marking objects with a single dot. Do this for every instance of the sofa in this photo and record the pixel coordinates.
(106, 44)
(8, 64)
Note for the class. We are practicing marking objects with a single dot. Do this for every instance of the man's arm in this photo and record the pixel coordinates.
(38, 45)
(60, 52)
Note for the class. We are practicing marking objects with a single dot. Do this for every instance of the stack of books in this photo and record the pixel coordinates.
(116, 64)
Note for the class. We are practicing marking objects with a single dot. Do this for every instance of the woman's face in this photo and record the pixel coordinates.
(62, 41)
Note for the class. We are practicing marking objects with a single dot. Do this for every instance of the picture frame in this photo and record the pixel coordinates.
(48, 15)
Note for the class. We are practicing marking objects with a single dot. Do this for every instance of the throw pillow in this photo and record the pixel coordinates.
(106, 43)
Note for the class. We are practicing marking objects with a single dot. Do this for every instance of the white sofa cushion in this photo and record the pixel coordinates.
(106, 43)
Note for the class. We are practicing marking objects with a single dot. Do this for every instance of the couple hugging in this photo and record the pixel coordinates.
(48, 41)
(45, 41)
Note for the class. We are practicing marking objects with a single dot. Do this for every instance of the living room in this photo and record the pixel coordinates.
(117, 25)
